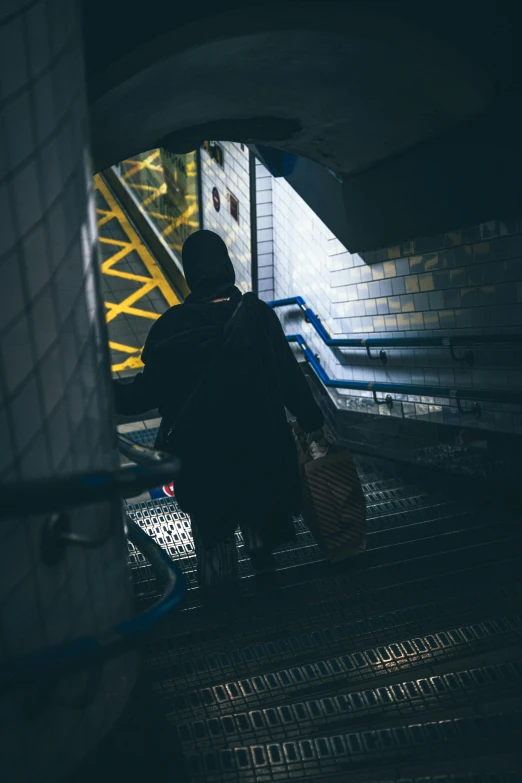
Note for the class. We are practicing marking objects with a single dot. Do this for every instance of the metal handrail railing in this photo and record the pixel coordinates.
(142, 455)
(459, 395)
(43, 667)
(368, 343)
(85, 488)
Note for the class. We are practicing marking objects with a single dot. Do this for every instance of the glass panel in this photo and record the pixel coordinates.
(165, 184)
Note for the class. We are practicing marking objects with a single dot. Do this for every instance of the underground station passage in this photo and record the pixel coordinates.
(260, 392)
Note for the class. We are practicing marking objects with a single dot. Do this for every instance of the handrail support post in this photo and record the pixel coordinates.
(382, 355)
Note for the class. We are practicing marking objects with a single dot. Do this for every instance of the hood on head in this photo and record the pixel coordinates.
(207, 266)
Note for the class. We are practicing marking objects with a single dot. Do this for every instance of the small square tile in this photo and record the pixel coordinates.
(51, 377)
(26, 197)
(68, 152)
(68, 351)
(17, 356)
(11, 290)
(452, 298)
(475, 275)
(500, 248)
(22, 621)
(37, 38)
(469, 297)
(398, 286)
(7, 234)
(431, 261)
(493, 272)
(43, 102)
(35, 252)
(447, 319)
(463, 255)
(13, 52)
(482, 251)
(511, 269)
(52, 181)
(402, 266)
(389, 269)
(34, 462)
(426, 282)
(431, 320)
(19, 129)
(416, 264)
(382, 305)
(436, 300)
(64, 89)
(411, 284)
(5, 439)
(487, 295)
(26, 415)
(421, 302)
(59, 427)
(45, 327)
(374, 289)
(385, 287)
(507, 227)
(67, 285)
(463, 319)
(407, 303)
(416, 321)
(58, 231)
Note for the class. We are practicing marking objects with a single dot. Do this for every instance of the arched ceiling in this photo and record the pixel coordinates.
(344, 84)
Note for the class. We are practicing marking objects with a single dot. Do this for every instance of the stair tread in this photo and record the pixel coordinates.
(295, 677)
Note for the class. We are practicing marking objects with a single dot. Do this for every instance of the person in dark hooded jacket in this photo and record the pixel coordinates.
(221, 373)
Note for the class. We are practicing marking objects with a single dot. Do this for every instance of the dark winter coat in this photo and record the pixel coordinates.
(221, 385)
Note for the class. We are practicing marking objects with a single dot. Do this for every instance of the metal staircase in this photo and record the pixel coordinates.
(405, 665)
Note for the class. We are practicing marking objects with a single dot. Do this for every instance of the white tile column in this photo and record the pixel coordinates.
(55, 406)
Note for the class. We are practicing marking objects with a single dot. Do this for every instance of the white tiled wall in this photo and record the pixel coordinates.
(467, 281)
(233, 178)
(55, 406)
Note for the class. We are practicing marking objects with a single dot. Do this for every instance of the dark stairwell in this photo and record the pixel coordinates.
(404, 665)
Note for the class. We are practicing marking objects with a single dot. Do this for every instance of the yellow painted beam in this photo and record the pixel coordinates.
(155, 279)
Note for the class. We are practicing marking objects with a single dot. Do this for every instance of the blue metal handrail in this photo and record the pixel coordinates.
(392, 342)
(459, 395)
(45, 666)
(48, 494)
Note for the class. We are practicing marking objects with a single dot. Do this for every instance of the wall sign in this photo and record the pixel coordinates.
(215, 199)
(234, 207)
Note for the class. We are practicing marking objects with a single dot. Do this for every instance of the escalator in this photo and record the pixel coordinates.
(405, 665)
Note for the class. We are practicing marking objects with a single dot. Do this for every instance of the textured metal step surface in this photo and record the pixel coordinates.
(402, 666)
(315, 636)
(347, 752)
(466, 688)
(171, 528)
(199, 627)
(324, 674)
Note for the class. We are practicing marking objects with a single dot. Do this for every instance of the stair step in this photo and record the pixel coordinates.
(323, 633)
(400, 666)
(232, 679)
(334, 598)
(439, 696)
(308, 757)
